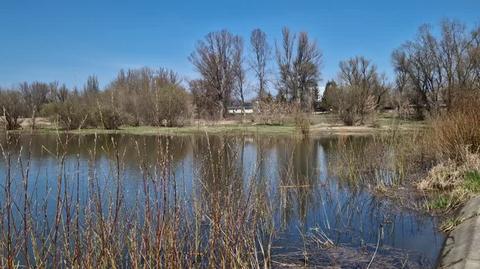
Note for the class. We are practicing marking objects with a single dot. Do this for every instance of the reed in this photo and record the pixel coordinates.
(228, 226)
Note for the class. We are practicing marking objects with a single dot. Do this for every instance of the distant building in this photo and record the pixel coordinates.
(235, 110)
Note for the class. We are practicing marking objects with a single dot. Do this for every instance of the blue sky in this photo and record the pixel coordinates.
(68, 40)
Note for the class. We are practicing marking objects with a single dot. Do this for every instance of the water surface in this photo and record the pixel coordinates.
(307, 198)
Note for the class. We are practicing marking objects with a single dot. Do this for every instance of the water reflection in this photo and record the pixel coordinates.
(293, 175)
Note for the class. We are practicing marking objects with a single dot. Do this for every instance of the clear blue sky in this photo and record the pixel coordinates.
(68, 40)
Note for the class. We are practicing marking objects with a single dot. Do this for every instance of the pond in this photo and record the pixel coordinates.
(199, 201)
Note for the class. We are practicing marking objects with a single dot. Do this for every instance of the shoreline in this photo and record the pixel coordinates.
(315, 130)
(462, 245)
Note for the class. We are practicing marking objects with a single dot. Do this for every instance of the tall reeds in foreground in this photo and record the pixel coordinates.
(76, 219)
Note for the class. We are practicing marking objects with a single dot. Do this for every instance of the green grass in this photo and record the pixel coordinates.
(385, 121)
(447, 200)
(442, 202)
(472, 181)
(450, 224)
(220, 129)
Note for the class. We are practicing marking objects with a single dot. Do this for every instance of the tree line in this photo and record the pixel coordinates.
(432, 71)
(135, 97)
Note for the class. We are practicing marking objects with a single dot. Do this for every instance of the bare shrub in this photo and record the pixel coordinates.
(171, 107)
(353, 107)
(302, 122)
(272, 112)
(71, 114)
(149, 97)
(361, 91)
(109, 117)
(12, 109)
(457, 129)
(449, 174)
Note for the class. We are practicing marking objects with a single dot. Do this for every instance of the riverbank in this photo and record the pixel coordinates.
(320, 125)
(462, 247)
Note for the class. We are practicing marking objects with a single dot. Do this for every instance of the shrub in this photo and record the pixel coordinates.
(147, 97)
(12, 109)
(352, 105)
(109, 117)
(272, 112)
(302, 123)
(456, 132)
(171, 108)
(71, 114)
(107, 114)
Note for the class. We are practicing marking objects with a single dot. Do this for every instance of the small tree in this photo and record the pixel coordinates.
(352, 107)
(12, 108)
(107, 113)
(35, 95)
(70, 114)
(330, 94)
(171, 106)
(361, 91)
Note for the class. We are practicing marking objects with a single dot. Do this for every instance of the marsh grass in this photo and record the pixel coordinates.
(84, 214)
(454, 141)
(74, 227)
(450, 224)
(443, 203)
(455, 133)
(472, 181)
(382, 160)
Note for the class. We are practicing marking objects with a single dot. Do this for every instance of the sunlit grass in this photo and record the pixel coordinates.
(472, 181)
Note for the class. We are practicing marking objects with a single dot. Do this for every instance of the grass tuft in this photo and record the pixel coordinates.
(472, 181)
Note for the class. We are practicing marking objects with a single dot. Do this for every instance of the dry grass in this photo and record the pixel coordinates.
(449, 174)
(458, 129)
(386, 159)
(454, 141)
(217, 225)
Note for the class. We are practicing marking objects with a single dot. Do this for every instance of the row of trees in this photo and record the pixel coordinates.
(221, 62)
(135, 97)
(431, 71)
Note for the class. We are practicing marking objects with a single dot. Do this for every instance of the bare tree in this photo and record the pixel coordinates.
(286, 83)
(307, 69)
(144, 96)
(258, 63)
(300, 69)
(92, 85)
(12, 108)
(359, 72)
(35, 94)
(439, 68)
(239, 72)
(60, 94)
(214, 59)
(360, 92)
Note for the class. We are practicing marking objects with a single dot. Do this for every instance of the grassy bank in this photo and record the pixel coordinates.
(324, 124)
